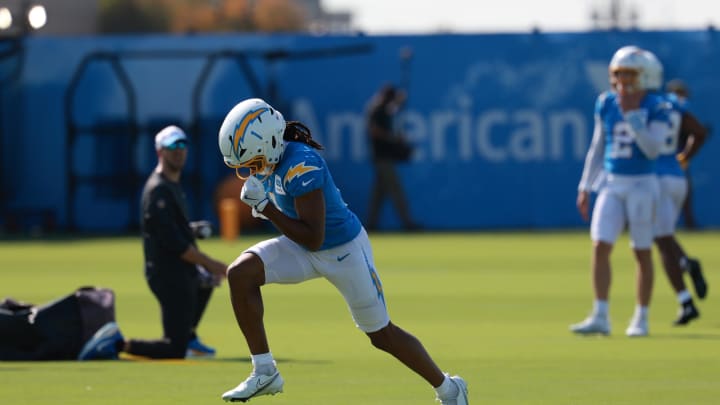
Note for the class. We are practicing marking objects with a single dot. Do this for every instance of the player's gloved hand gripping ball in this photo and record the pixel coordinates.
(253, 194)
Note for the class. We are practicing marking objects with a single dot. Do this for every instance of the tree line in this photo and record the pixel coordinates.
(190, 16)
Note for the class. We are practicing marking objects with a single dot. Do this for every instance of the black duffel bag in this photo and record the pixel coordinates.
(56, 330)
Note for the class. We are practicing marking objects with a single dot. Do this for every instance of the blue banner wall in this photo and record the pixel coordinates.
(501, 123)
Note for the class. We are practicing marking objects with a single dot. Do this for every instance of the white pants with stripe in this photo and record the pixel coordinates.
(349, 267)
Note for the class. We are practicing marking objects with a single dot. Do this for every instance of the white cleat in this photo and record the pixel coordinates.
(462, 396)
(255, 385)
(592, 325)
(638, 327)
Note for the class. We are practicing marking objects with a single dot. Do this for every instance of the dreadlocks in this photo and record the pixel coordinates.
(297, 131)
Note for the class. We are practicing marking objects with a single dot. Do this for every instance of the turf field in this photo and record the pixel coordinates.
(492, 307)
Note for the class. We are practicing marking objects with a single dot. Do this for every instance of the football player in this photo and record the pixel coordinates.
(679, 90)
(288, 183)
(630, 126)
(673, 191)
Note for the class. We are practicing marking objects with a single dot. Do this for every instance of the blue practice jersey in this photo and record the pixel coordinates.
(622, 154)
(667, 163)
(625, 148)
(301, 170)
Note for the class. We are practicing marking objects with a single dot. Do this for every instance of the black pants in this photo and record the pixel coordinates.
(182, 304)
(387, 185)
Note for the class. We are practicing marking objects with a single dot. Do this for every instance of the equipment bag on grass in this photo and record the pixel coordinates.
(56, 330)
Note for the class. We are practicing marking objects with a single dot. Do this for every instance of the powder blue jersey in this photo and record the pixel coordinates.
(301, 170)
(622, 155)
(667, 163)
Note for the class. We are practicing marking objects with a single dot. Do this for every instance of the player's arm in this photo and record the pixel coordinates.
(649, 137)
(167, 231)
(593, 159)
(591, 170)
(595, 155)
(696, 136)
(195, 256)
(308, 229)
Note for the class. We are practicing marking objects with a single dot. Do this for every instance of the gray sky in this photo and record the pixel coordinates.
(425, 16)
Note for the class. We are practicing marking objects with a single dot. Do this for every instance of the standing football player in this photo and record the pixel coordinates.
(289, 183)
(630, 125)
(673, 191)
(679, 89)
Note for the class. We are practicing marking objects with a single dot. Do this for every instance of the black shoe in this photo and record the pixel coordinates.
(687, 313)
(695, 271)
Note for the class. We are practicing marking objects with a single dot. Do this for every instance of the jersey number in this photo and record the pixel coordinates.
(622, 142)
(670, 143)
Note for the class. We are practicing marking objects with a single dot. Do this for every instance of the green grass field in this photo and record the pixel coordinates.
(492, 307)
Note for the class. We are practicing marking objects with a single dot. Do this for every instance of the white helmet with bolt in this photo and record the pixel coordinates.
(632, 58)
(251, 137)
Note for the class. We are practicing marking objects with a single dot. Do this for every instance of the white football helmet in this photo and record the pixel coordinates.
(630, 58)
(654, 70)
(251, 138)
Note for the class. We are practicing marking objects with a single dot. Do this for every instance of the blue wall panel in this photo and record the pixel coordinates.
(500, 122)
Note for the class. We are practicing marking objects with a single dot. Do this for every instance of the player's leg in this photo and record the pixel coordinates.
(178, 303)
(359, 283)
(245, 276)
(665, 241)
(671, 262)
(277, 260)
(410, 351)
(672, 192)
(196, 348)
(645, 278)
(688, 310)
(394, 188)
(598, 322)
(378, 193)
(203, 299)
(639, 323)
(601, 269)
(687, 204)
(664, 228)
(671, 259)
(175, 293)
(641, 205)
(692, 267)
(678, 190)
(608, 220)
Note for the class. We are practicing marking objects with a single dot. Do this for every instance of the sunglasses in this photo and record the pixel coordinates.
(177, 145)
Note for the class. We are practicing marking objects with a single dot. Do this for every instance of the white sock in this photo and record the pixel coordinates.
(600, 308)
(683, 296)
(263, 363)
(641, 311)
(447, 389)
